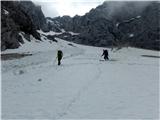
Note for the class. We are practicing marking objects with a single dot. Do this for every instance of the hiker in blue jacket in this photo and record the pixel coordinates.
(105, 54)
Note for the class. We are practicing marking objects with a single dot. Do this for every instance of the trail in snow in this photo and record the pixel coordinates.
(81, 91)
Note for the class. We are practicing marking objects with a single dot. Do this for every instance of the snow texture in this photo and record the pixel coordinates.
(83, 87)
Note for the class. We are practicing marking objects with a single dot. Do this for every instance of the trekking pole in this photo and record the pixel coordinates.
(55, 60)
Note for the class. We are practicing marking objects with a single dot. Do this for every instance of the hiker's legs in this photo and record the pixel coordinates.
(59, 61)
(105, 57)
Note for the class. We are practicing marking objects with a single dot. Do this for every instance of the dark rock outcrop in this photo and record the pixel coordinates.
(53, 25)
(20, 16)
(117, 23)
(114, 23)
(35, 13)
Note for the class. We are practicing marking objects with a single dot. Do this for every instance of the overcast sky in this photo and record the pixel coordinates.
(53, 8)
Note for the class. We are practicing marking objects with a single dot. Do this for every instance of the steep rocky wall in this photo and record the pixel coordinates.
(20, 16)
(132, 23)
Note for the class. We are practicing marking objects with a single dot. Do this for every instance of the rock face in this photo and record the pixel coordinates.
(53, 25)
(36, 14)
(20, 16)
(114, 23)
(117, 24)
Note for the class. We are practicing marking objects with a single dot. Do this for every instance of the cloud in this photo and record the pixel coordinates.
(48, 8)
(53, 8)
(118, 7)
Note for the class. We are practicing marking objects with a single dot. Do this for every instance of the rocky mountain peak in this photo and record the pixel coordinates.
(117, 23)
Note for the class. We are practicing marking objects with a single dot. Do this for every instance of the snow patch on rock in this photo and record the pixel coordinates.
(6, 12)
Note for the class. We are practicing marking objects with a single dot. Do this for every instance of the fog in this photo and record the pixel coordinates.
(116, 7)
(67, 7)
(56, 8)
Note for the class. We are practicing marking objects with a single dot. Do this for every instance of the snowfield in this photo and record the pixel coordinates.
(83, 87)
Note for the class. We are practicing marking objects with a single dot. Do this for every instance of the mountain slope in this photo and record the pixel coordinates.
(117, 23)
(20, 16)
(111, 24)
(34, 87)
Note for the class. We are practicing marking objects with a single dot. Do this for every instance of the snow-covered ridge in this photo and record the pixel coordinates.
(35, 45)
(56, 33)
(49, 33)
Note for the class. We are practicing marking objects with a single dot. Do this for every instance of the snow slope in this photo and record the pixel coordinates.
(34, 87)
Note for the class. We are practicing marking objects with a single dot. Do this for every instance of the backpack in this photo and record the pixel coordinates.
(59, 54)
(105, 52)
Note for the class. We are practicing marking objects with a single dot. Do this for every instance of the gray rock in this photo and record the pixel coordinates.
(113, 23)
(35, 13)
(39, 79)
(20, 16)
